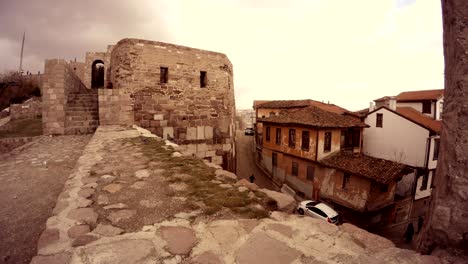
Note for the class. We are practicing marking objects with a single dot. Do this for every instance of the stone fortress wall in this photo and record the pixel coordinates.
(193, 106)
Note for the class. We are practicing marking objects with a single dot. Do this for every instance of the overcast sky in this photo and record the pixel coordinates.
(342, 51)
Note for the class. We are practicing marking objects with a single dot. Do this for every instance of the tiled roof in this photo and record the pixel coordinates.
(380, 170)
(314, 116)
(278, 104)
(420, 95)
(419, 118)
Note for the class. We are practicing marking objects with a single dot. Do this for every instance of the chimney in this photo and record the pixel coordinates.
(371, 106)
(392, 103)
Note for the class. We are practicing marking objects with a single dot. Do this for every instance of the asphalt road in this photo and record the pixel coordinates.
(246, 162)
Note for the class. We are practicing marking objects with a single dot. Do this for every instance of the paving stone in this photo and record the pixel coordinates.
(246, 183)
(82, 203)
(120, 215)
(150, 204)
(207, 257)
(87, 180)
(242, 189)
(262, 249)
(116, 206)
(106, 179)
(92, 185)
(86, 193)
(103, 199)
(286, 203)
(128, 251)
(49, 236)
(83, 240)
(138, 185)
(249, 224)
(107, 230)
(285, 230)
(224, 234)
(76, 231)
(180, 240)
(226, 174)
(178, 186)
(61, 205)
(61, 258)
(112, 188)
(225, 185)
(216, 181)
(83, 215)
(140, 174)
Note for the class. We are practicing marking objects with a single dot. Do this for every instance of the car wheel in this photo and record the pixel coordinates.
(300, 211)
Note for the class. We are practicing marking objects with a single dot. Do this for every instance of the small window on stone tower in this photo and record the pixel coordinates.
(203, 79)
(163, 74)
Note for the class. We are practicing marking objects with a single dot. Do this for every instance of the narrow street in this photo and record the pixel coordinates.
(246, 162)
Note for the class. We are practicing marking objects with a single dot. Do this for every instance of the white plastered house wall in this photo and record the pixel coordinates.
(400, 140)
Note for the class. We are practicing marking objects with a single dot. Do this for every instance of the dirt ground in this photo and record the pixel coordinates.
(31, 178)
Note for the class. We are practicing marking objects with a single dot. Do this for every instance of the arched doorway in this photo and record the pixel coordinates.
(97, 74)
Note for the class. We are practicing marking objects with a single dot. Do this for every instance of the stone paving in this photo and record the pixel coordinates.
(31, 178)
(116, 211)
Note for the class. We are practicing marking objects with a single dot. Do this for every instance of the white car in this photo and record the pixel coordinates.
(318, 210)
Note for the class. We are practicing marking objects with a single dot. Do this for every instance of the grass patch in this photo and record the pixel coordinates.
(200, 187)
(22, 128)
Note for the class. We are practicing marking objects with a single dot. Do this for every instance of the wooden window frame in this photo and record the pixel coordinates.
(327, 141)
(278, 136)
(305, 140)
(435, 155)
(310, 172)
(267, 134)
(379, 120)
(295, 169)
(292, 138)
(426, 107)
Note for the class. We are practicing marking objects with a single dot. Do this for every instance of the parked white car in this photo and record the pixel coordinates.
(318, 210)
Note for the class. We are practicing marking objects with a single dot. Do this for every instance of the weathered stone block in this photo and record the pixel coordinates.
(191, 133)
(208, 132)
(168, 132)
(200, 132)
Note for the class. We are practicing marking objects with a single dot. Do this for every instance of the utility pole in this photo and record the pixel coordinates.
(21, 56)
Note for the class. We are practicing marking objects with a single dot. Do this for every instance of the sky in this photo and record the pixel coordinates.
(344, 52)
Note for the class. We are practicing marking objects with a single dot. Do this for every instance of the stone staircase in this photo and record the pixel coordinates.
(82, 116)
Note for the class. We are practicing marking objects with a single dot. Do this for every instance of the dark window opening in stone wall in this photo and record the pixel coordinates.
(203, 79)
(163, 74)
(425, 181)
(267, 137)
(97, 74)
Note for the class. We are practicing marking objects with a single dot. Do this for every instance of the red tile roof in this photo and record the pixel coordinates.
(419, 118)
(279, 104)
(420, 95)
(376, 169)
(385, 98)
(314, 116)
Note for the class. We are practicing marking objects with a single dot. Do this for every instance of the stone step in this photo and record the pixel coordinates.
(81, 109)
(81, 117)
(87, 123)
(80, 130)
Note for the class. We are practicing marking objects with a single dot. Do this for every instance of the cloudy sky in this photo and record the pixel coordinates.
(345, 52)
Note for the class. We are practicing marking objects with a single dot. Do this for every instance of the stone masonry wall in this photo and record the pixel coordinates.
(32, 108)
(199, 118)
(59, 80)
(448, 222)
